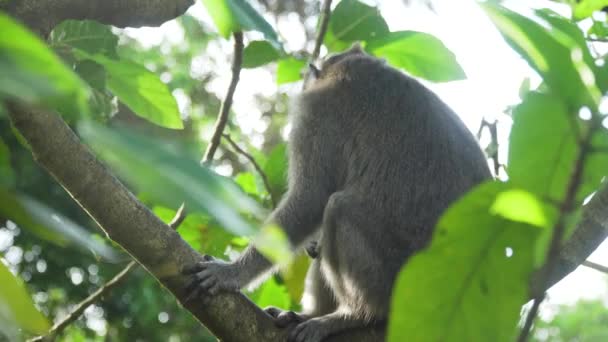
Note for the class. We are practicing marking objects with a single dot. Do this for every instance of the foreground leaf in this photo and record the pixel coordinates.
(170, 178)
(17, 310)
(472, 278)
(289, 70)
(31, 72)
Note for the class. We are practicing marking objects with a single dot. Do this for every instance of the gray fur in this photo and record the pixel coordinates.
(374, 159)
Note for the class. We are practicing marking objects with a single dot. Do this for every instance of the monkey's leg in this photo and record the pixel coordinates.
(317, 300)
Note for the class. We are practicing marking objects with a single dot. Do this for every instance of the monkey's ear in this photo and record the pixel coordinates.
(313, 70)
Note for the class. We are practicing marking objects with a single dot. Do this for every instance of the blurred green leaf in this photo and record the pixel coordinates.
(353, 20)
(50, 225)
(7, 176)
(272, 242)
(17, 309)
(554, 54)
(86, 35)
(170, 177)
(237, 15)
(585, 8)
(275, 169)
(271, 293)
(421, 54)
(294, 276)
(31, 72)
(289, 70)
(473, 276)
(259, 52)
(199, 231)
(246, 180)
(141, 90)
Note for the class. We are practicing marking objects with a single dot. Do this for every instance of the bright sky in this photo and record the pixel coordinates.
(494, 73)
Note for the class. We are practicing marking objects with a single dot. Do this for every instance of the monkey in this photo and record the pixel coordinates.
(375, 158)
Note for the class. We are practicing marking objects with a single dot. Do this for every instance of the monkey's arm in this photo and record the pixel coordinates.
(298, 214)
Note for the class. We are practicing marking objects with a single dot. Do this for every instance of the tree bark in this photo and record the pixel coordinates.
(42, 15)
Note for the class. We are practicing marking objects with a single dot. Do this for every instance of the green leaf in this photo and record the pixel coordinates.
(585, 8)
(170, 177)
(199, 231)
(555, 55)
(271, 293)
(289, 70)
(86, 35)
(93, 73)
(16, 306)
(140, 89)
(232, 16)
(50, 225)
(353, 20)
(294, 276)
(599, 29)
(543, 149)
(7, 175)
(421, 54)
(275, 169)
(259, 52)
(473, 276)
(32, 73)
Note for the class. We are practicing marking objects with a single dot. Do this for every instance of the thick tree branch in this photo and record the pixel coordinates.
(222, 118)
(42, 15)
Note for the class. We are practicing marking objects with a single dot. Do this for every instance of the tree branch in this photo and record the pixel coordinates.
(43, 15)
(322, 24)
(595, 266)
(257, 167)
(222, 118)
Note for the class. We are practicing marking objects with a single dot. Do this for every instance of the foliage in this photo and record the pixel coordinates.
(123, 101)
(585, 321)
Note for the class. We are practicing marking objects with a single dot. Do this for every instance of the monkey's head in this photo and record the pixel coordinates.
(349, 65)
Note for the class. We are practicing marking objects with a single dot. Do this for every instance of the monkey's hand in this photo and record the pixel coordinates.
(211, 276)
(313, 249)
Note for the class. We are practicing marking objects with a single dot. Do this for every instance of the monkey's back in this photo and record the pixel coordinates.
(398, 147)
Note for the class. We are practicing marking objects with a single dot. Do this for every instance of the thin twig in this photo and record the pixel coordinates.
(222, 119)
(595, 266)
(257, 167)
(492, 127)
(101, 291)
(322, 24)
(566, 207)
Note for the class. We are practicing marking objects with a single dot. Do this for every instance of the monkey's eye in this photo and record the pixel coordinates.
(313, 70)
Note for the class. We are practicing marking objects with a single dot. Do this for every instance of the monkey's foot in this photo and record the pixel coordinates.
(284, 318)
(312, 330)
(210, 277)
